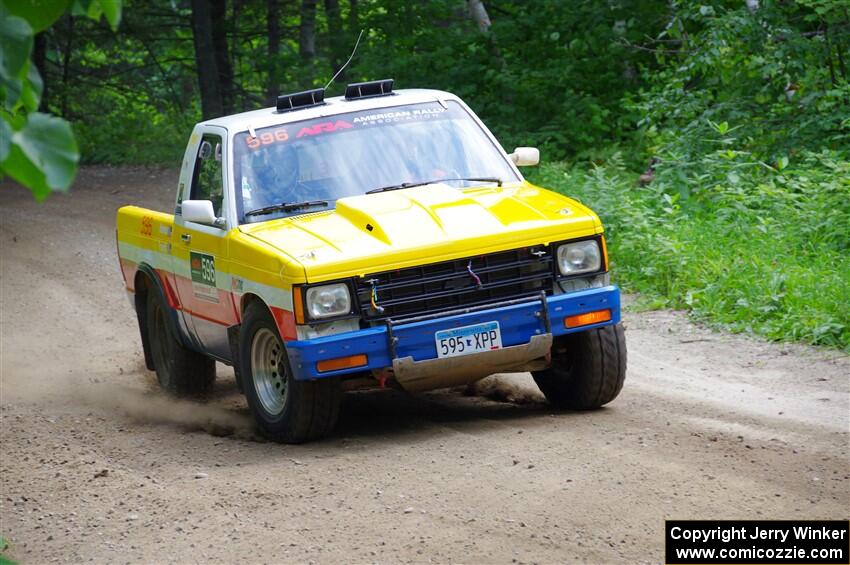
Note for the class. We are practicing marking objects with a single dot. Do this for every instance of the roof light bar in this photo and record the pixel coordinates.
(357, 90)
(298, 100)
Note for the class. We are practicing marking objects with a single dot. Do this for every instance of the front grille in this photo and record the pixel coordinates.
(438, 287)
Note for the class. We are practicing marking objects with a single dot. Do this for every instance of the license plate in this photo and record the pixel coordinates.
(468, 339)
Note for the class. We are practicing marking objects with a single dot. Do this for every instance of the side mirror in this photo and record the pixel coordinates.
(200, 212)
(525, 156)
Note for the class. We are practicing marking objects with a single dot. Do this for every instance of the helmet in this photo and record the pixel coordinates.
(276, 170)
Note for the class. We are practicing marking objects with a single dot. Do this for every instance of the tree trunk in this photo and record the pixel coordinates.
(479, 14)
(829, 54)
(336, 37)
(208, 83)
(39, 57)
(273, 28)
(218, 17)
(307, 30)
(66, 66)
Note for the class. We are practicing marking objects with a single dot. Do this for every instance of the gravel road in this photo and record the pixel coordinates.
(97, 465)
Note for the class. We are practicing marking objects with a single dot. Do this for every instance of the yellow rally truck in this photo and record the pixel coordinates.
(381, 238)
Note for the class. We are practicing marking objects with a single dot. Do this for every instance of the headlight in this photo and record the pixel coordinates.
(328, 301)
(579, 257)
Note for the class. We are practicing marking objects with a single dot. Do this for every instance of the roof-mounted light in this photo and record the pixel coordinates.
(370, 89)
(298, 100)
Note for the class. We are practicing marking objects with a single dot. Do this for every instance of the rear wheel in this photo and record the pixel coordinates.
(286, 410)
(588, 369)
(180, 371)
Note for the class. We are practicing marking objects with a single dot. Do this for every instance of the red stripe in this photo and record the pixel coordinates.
(285, 321)
(207, 318)
(225, 313)
(171, 296)
(220, 312)
(128, 271)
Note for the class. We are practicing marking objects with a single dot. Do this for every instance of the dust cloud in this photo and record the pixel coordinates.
(158, 409)
(505, 388)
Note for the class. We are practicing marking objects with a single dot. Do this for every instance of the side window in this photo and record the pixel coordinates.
(207, 180)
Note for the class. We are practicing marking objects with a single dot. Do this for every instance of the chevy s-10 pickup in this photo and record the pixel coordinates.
(381, 238)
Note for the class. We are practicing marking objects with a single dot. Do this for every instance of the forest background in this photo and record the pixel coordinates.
(712, 137)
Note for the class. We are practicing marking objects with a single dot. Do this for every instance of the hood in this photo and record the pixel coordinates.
(391, 230)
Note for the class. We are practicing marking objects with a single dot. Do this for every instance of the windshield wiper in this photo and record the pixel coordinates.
(286, 207)
(423, 183)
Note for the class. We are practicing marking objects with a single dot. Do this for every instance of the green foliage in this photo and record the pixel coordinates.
(4, 545)
(780, 70)
(751, 247)
(747, 111)
(542, 75)
(36, 149)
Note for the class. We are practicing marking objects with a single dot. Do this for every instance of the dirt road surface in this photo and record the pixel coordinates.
(97, 465)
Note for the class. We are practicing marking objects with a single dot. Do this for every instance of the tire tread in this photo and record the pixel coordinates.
(596, 375)
(186, 372)
(315, 407)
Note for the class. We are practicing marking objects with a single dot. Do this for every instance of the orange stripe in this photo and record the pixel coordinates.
(298, 304)
(604, 252)
(285, 321)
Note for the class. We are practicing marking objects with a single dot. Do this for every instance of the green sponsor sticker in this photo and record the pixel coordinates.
(203, 268)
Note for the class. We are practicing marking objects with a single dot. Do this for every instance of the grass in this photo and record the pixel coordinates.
(739, 244)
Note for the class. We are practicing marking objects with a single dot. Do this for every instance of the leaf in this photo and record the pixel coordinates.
(31, 89)
(93, 9)
(5, 139)
(15, 44)
(43, 155)
(112, 12)
(20, 168)
(10, 90)
(40, 14)
(781, 163)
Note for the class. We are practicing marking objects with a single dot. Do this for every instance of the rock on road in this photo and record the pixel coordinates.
(98, 465)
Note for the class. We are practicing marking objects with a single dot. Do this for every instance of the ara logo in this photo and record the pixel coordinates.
(324, 127)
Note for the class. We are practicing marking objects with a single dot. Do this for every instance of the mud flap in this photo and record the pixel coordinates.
(432, 374)
(233, 340)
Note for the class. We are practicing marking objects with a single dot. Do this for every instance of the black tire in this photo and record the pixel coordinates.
(307, 410)
(588, 369)
(180, 371)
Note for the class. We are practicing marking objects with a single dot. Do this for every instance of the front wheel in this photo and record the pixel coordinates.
(180, 371)
(588, 369)
(286, 410)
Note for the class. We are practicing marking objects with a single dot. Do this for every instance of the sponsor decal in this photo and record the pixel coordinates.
(399, 116)
(325, 127)
(147, 226)
(267, 138)
(203, 276)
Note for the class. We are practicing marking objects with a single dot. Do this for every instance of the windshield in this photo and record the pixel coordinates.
(315, 162)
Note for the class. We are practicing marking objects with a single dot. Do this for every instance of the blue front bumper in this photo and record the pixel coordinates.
(518, 323)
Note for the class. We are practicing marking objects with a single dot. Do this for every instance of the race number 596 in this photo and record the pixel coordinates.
(208, 270)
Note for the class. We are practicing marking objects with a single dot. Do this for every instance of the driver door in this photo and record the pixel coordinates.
(200, 251)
